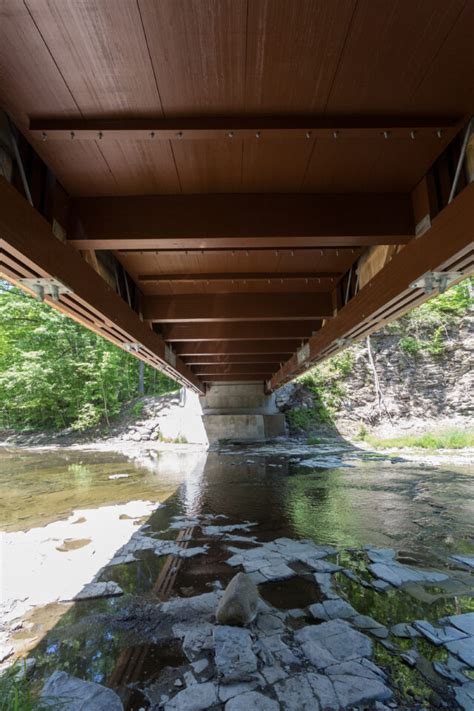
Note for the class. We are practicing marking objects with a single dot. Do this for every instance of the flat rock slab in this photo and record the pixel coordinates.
(94, 590)
(464, 559)
(465, 622)
(397, 574)
(438, 635)
(465, 696)
(235, 658)
(197, 697)
(464, 649)
(296, 693)
(333, 641)
(196, 608)
(352, 690)
(252, 701)
(64, 691)
(332, 609)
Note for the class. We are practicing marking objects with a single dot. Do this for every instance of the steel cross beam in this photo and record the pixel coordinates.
(447, 246)
(239, 331)
(28, 249)
(257, 128)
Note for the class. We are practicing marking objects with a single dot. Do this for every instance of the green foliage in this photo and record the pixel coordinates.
(16, 694)
(410, 345)
(55, 373)
(342, 363)
(313, 440)
(137, 408)
(449, 439)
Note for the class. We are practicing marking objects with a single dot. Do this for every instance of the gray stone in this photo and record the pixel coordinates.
(252, 701)
(270, 624)
(235, 659)
(297, 693)
(465, 622)
(364, 622)
(464, 559)
(94, 590)
(465, 696)
(272, 647)
(404, 630)
(78, 695)
(257, 578)
(356, 689)
(397, 574)
(380, 555)
(200, 665)
(354, 668)
(333, 641)
(220, 530)
(324, 690)
(464, 649)
(277, 572)
(197, 697)
(322, 566)
(273, 673)
(332, 609)
(324, 580)
(192, 608)
(438, 635)
(410, 657)
(380, 585)
(239, 604)
(197, 639)
(228, 691)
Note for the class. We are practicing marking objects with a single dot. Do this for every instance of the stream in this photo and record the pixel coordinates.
(66, 512)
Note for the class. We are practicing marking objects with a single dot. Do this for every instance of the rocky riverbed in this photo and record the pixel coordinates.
(364, 566)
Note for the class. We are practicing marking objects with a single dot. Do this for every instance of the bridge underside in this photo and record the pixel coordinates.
(233, 191)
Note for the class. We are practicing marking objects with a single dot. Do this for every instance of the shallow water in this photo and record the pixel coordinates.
(425, 513)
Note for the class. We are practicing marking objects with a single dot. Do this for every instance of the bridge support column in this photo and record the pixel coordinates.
(241, 411)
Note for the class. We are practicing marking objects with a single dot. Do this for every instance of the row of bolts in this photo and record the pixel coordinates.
(231, 134)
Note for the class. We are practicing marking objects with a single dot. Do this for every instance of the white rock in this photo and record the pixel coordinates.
(195, 698)
(93, 590)
(235, 659)
(252, 701)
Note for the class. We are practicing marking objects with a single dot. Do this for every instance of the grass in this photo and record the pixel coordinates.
(449, 439)
(16, 694)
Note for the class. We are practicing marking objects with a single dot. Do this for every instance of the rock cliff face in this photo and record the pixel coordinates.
(426, 378)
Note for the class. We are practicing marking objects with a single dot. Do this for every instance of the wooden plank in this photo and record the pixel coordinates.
(251, 220)
(293, 51)
(198, 53)
(449, 238)
(102, 54)
(237, 307)
(246, 331)
(28, 237)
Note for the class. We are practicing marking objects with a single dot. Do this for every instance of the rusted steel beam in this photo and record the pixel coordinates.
(243, 221)
(243, 331)
(236, 347)
(238, 307)
(255, 128)
(447, 245)
(27, 238)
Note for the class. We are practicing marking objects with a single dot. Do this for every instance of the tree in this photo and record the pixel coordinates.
(55, 373)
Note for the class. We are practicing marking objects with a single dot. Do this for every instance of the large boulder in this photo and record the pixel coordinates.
(239, 603)
(78, 695)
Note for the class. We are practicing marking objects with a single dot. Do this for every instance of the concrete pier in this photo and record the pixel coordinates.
(241, 411)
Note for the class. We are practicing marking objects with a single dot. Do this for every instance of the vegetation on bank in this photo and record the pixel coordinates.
(54, 373)
(425, 329)
(448, 439)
